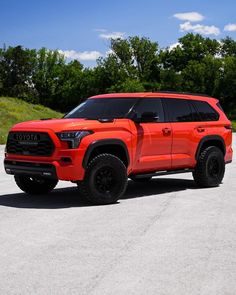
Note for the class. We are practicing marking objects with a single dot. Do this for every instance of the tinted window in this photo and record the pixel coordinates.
(179, 110)
(206, 112)
(103, 108)
(150, 105)
(220, 107)
(195, 114)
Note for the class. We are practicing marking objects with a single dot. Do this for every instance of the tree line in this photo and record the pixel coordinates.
(195, 64)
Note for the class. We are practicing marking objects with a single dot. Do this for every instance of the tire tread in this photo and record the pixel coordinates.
(83, 186)
(199, 173)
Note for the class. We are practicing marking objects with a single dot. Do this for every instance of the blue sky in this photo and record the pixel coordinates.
(82, 29)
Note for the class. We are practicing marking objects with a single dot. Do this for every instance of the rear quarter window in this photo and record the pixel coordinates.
(206, 112)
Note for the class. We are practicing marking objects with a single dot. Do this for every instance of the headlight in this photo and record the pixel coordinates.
(73, 137)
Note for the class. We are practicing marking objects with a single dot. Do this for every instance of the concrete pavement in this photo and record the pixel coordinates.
(167, 237)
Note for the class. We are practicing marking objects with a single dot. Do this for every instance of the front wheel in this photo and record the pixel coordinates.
(35, 185)
(105, 180)
(210, 167)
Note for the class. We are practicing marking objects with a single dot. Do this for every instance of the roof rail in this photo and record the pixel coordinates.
(186, 93)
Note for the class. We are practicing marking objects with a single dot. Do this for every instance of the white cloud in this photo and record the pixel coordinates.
(189, 16)
(112, 35)
(174, 45)
(201, 29)
(230, 27)
(85, 55)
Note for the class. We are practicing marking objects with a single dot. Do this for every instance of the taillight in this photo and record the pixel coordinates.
(229, 127)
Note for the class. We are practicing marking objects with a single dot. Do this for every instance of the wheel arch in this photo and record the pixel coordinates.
(114, 146)
(214, 140)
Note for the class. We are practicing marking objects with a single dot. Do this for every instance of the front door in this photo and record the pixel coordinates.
(152, 140)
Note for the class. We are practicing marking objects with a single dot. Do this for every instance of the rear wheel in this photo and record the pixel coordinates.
(105, 180)
(35, 185)
(210, 167)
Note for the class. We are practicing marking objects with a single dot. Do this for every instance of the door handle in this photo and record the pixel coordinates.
(200, 129)
(166, 131)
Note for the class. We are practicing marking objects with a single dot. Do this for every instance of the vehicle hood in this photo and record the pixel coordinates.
(58, 125)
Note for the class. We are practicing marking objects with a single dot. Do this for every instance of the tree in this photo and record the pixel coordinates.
(196, 64)
(202, 77)
(16, 68)
(145, 57)
(48, 68)
(66, 93)
(191, 47)
(170, 80)
(228, 85)
(228, 47)
(128, 86)
(131, 64)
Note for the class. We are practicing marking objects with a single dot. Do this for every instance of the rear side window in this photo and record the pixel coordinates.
(179, 110)
(206, 112)
(220, 107)
(150, 105)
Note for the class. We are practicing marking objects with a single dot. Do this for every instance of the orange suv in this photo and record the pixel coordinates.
(112, 137)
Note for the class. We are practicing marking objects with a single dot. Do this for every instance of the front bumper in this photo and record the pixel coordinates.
(30, 169)
(65, 164)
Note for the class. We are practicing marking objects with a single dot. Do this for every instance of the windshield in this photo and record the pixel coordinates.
(103, 108)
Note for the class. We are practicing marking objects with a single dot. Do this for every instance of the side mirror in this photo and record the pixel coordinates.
(147, 117)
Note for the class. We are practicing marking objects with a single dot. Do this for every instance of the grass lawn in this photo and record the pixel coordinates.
(14, 110)
(234, 125)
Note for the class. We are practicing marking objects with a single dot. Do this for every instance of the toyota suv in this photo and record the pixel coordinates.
(112, 137)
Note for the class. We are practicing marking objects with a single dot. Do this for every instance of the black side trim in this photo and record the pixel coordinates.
(30, 169)
(160, 173)
(104, 142)
(209, 138)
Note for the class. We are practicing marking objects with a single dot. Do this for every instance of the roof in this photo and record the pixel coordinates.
(164, 94)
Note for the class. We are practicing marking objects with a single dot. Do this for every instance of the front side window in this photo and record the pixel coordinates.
(103, 108)
(148, 105)
(179, 110)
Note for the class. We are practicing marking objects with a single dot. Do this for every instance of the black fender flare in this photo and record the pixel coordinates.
(104, 142)
(209, 138)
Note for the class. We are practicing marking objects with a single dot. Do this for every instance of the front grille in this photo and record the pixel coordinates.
(29, 144)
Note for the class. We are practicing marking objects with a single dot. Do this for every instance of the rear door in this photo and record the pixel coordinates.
(152, 146)
(187, 131)
(208, 116)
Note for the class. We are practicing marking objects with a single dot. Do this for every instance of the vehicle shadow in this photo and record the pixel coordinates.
(157, 186)
(70, 197)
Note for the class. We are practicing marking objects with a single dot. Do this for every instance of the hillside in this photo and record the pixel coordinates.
(13, 110)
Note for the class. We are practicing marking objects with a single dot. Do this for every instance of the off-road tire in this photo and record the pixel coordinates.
(210, 167)
(105, 180)
(35, 185)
